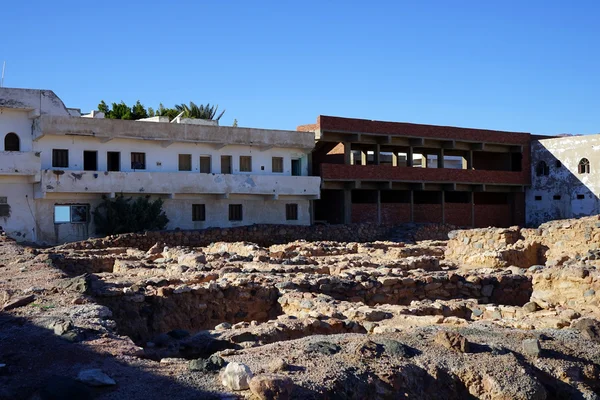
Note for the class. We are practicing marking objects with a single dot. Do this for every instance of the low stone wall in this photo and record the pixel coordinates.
(575, 286)
(263, 235)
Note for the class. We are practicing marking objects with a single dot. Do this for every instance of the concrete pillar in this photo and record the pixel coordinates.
(363, 157)
(394, 159)
(379, 207)
(473, 209)
(470, 159)
(377, 154)
(412, 206)
(347, 153)
(440, 158)
(409, 157)
(443, 198)
(347, 206)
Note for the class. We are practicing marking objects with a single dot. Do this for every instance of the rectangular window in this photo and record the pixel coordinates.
(205, 165)
(245, 164)
(296, 167)
(538, 198)
(291, 212)
(185, 162)
(60, 158)
(235, 212)
(74, 214)
(90, 161)
(138, 160)
(198, 212)
(113, 161)
(558, 164)
(225, 164)
(556, 197)
(580, 197)
(4, 207)
(277, 164)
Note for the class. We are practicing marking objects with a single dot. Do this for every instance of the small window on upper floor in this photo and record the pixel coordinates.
(245, 164)
(60, 158)
(185, 162)
(205, 164)
(542, 169)
(584, 166)
(556, 197)
(277, 164)
(538, 198)
(138, 160)
(580, 197)
(12, 142)
(558, 164)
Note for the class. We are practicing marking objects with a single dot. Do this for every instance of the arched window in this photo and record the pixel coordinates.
(542, 168)
(584, 166)
(12, 142)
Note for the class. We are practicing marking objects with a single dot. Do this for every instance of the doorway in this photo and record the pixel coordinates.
(113, 161)
(90, 160)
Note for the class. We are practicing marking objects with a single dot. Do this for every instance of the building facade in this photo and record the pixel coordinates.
(375, 171)
(565, 178)
(58, 165)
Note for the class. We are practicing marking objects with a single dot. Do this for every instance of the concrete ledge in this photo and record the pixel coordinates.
(19, 163)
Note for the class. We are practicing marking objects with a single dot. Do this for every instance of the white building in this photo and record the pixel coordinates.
(57, 165)
(565, 178)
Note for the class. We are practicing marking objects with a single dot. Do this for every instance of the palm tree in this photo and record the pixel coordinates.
(199, 112)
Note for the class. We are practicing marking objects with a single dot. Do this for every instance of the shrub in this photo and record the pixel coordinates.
(122, 215)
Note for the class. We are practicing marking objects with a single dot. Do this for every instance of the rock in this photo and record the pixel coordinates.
(326, 348)
(223, 326)
(79, 284)
(453, 341)
(589, 328)
(278, 365)
(535, 268)
(95, 377)
(271, 387)
(213, 363)
(487, 290)
(155, 249)
(236, 376)
(244, 337)
(394, 348)
(18, 302)
(530, 307)
(531, 347)
(61, 388)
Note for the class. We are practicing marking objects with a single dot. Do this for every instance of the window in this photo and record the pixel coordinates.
(556, 197)
(205, 165)
(584, 166)
(138, 160)
(4, 207)
(542, 168)
(296, 167)
(580, 197)
(113, 161)
(558, 164)
(225, 164)
(74, 214)
(90, 160)
(291, 212)
(235, 212)
(538, 198)
(60, 158)
(277, 164)
(12, 142)
(198, 212)
(185, 162)
(245, 164)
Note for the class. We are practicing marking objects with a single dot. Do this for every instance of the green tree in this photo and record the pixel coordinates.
(122, 215)
(102, 107)
(138, 111)
(199, 112)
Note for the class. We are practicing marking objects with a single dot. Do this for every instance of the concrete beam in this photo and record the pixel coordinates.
(166, 143)
(265, 148)
(105, 139)
(218, 146)
(34, 113)
(417, 142)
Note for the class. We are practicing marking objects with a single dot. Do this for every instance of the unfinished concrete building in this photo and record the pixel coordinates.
(391, 172)
(57, 165)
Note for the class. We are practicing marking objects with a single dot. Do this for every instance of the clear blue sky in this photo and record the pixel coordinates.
(530, 66)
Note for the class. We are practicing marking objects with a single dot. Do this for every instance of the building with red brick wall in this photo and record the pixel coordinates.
(393, 172)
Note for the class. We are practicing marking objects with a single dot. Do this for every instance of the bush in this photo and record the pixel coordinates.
(122, 215)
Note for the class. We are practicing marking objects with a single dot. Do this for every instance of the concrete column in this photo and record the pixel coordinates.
(347, 206)
(473, 209)
(470, 160)
(363, 157)
(377, 154)
(394, 159)
(412, 206)
(443, 198)
(440, 158)
(409, 157)
(379, 207)
(347, 153)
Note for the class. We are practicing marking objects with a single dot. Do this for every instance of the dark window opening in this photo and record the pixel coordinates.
(90, 160)
(584, 166)
(457, 197)
(538, 198)
(205, 164)
(4, 207)
(60, 158)
(198, 212)
(113, 161)
(395, 196)
(296, 167)
(185, 162)
(245, 164)
(516, 161)
(580, 197)
(225, 164)
(558, 164)
(542, 169)
(291, 212)
(425, 197)
(138, 160)
(556, 197)
(12, 142)
(491, 198)
(277, 164)
(364, 196)
(235, 212)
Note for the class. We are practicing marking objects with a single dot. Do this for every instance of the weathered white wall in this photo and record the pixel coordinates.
(21, 223)
(18, 122)
(564, 181)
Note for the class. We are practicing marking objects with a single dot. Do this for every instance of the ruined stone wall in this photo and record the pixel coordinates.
(263, 235)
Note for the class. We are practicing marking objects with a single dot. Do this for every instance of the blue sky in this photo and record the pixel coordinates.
(529, 66)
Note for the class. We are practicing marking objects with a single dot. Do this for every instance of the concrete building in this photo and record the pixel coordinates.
(57, 165)
(565, 178)
(374, 171)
